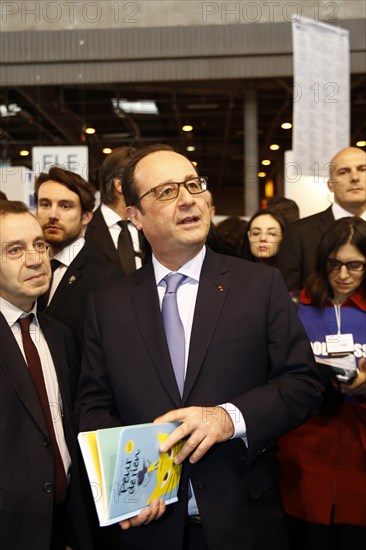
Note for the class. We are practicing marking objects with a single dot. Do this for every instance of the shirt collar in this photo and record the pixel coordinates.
(69, 253)
(339, 212)
(109, 215)
(192, 269)
(357, 300)
(12, 312)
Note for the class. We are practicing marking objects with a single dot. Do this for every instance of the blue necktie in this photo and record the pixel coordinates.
(173, 326)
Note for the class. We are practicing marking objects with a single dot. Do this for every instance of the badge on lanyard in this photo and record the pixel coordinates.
(339, 344)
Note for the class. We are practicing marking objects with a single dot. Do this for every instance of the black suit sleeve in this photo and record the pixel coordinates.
(294, 388)
(290, 257)
(95, 406)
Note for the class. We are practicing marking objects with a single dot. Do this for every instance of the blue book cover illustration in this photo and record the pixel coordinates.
(127, 471)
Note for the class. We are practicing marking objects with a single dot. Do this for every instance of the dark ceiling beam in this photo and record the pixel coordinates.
(47, 102)
(225, 144)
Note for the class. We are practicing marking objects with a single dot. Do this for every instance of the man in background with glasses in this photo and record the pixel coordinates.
(220, 350)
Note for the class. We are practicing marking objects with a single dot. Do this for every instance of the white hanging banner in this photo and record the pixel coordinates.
(73, 158)
(321, 110)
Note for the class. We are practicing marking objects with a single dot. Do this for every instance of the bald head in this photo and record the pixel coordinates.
(347, 179)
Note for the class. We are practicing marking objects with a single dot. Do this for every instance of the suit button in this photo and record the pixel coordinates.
(46, 442)
(48, 487)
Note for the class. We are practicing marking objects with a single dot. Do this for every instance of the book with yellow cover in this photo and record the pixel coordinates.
(126, 469)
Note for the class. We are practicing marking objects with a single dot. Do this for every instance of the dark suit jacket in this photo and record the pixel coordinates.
(296, 258)
(26, 462)
(86, 273)
(247, 347)
(99, 237)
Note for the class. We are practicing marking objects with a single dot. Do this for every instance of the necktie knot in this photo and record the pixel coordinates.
(54, 265)
(173, 281)
(123, 224)
(24, 323)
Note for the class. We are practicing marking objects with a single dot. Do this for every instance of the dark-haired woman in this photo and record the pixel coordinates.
(263, 239)
(323, 462)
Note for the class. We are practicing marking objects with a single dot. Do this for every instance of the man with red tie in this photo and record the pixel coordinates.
(40, 499)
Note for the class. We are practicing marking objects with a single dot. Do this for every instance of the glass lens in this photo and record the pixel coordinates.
(351, 266)
(355, 266)
(195, 185)
(166, 191)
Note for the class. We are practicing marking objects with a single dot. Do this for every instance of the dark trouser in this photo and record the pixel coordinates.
(58, 537)
(194, 536)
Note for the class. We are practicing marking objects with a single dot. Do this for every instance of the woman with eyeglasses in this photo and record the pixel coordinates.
(323, 462)
(263, 238)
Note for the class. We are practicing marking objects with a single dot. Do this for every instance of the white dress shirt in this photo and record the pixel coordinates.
(112, 219)
(12, 314)
(66, 256)
(339, 212)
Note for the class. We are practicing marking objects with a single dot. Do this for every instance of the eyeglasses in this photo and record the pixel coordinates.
(17, 250)
(169, 191)
(270, 234)
(336, 265)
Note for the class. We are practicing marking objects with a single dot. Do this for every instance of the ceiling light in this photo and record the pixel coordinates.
(269, 189)
(261, 174)
(106, 150)
(190, 148)
(286, 125)
(142, 106)
(266, 162)
(24, 153)
(90, 130)
(274, 147)
(361, 143)
(194, 163)
(9, 110)
(187, 128)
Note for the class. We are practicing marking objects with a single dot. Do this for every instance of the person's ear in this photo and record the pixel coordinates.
(135, 216)
(117, 185)
(86, 217)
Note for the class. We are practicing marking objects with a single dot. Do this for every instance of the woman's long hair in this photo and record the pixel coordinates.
(350, 230)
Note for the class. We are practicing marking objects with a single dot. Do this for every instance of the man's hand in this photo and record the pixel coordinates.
(154, 511)
(202, 427)
(358, 386)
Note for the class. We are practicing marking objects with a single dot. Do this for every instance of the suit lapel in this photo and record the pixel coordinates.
(325, 220)
(147, 309)
(98, 232)
(58, 354)
(16, 370)
(212, 291)
(69, 281)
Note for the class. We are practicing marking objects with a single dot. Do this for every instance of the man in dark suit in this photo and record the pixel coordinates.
(248, 368)
(109, 223)
(65, 204)
(34, 512)
(347, 180)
